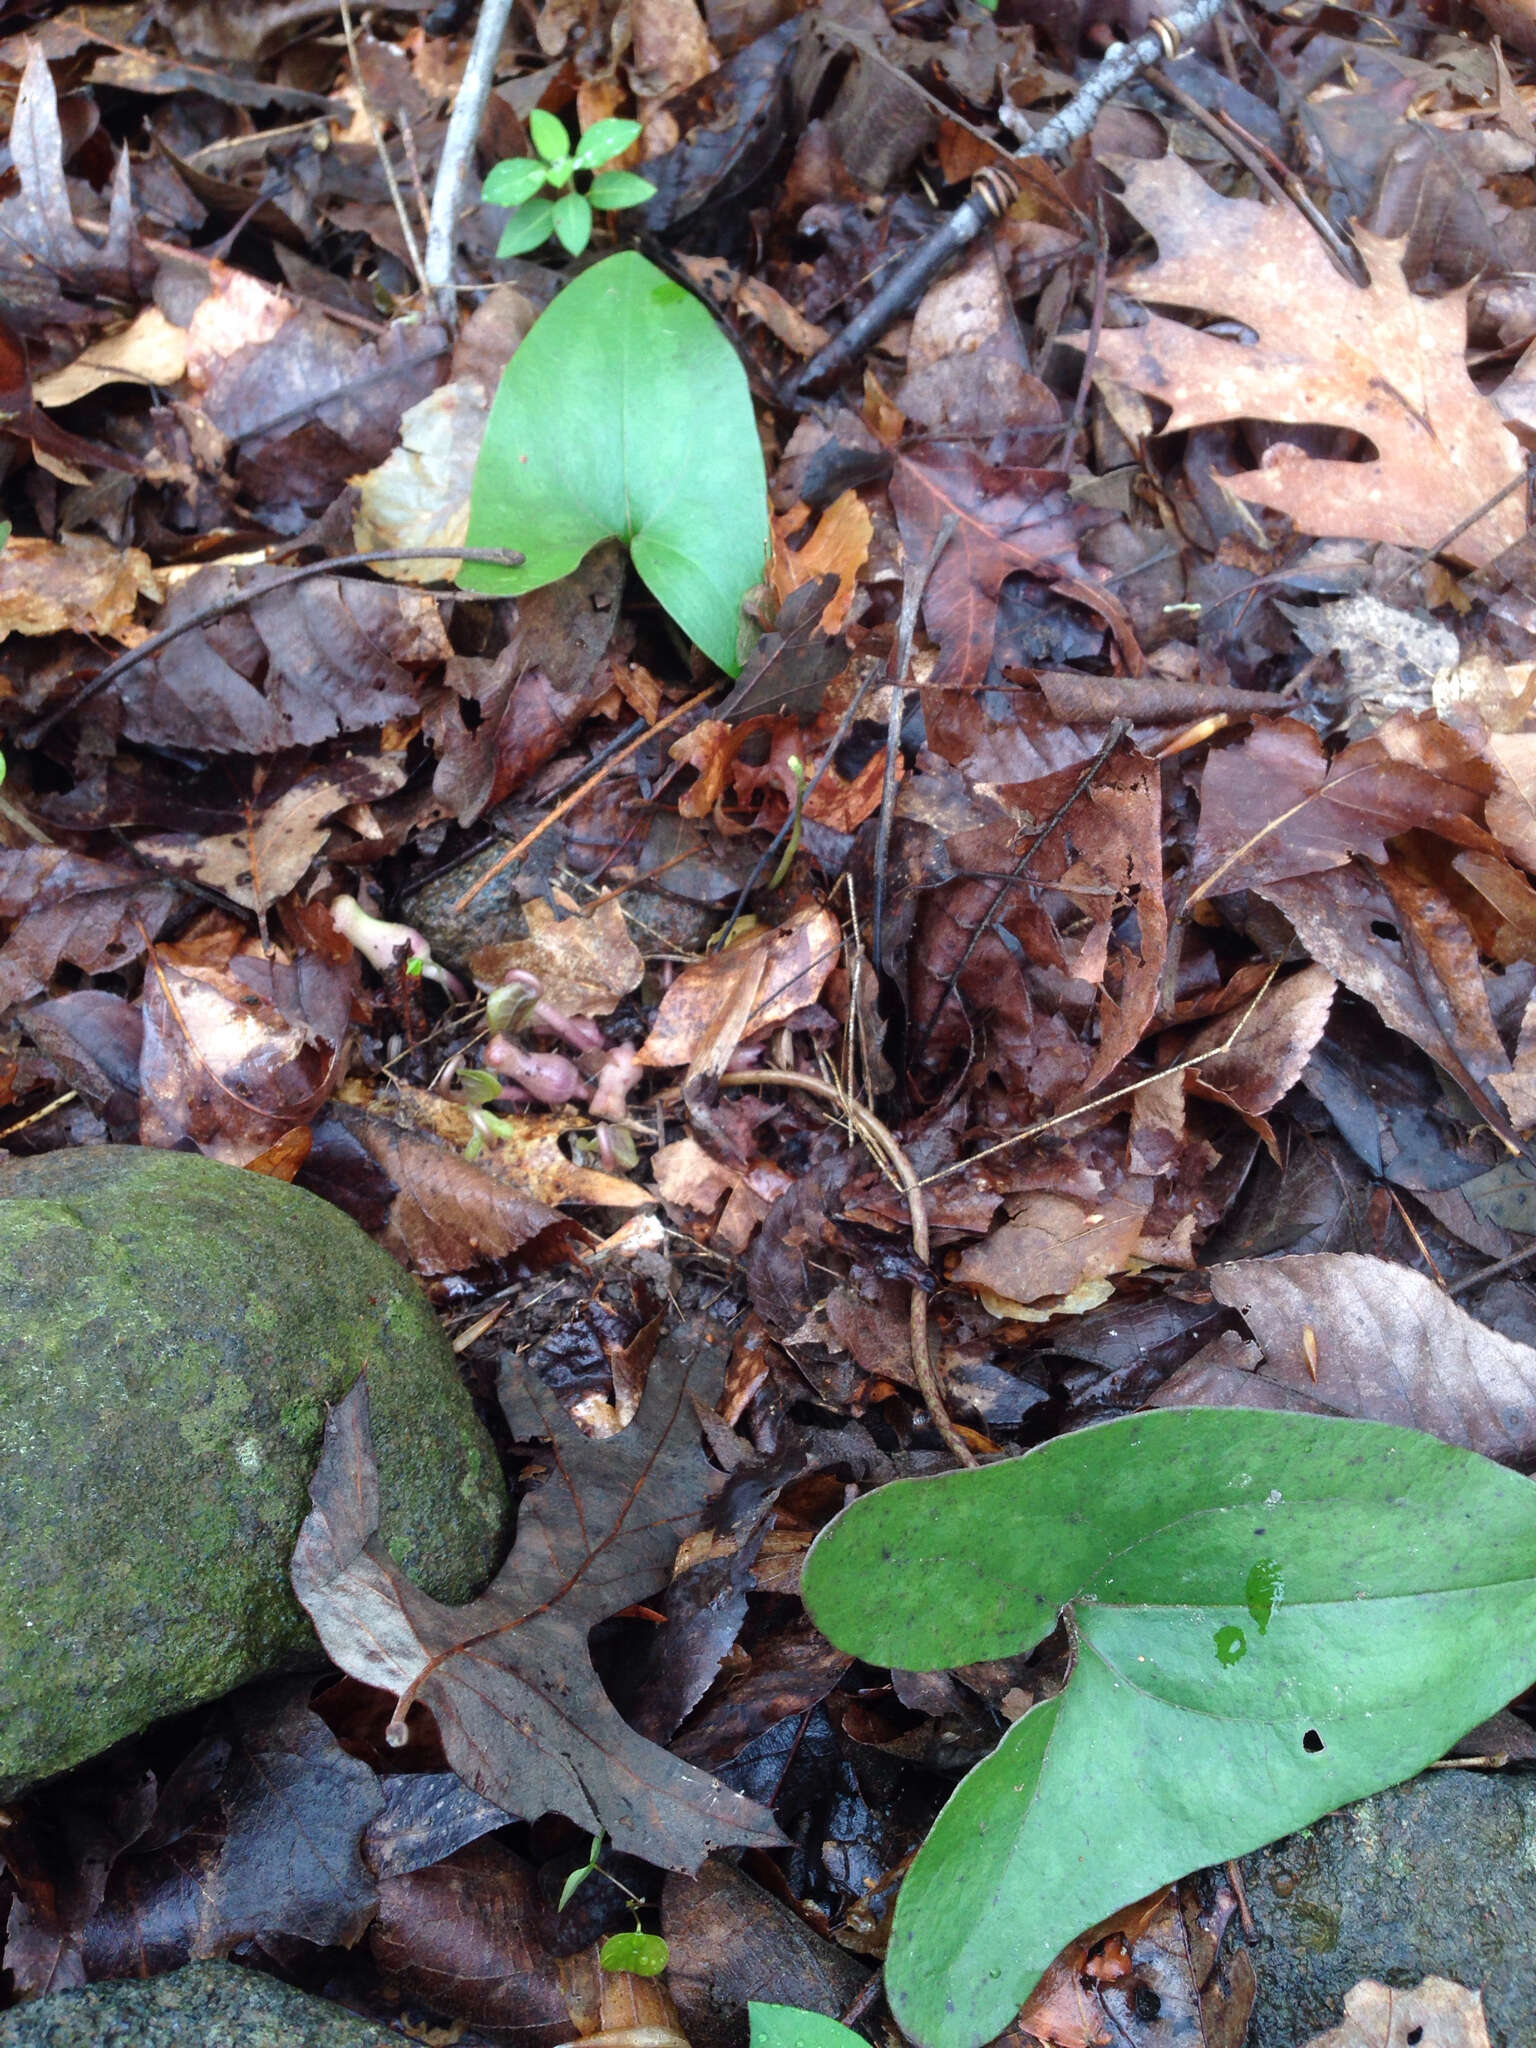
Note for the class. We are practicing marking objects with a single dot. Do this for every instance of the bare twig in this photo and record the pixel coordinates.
(458, 145)
(569, 803)
(409, 233)
(995, 190)
(881, 1142)
(1090, 775)
(507, 558)
(901, 659)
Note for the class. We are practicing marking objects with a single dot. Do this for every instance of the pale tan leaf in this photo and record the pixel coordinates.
(150, 350)
(77, 584)
(1434, 2014)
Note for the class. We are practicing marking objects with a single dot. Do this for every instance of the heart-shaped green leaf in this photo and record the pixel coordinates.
(1272, 1614)
(626, 413)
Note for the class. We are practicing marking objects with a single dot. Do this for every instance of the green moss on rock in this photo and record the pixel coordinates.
(170, 1332)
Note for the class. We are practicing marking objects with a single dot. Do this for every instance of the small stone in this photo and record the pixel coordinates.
(1434, 1878)
(171, 1331)
(206, 2005)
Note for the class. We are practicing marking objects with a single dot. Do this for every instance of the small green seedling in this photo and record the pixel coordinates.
(579, 1876)
(1270, 1615)
(518, 182)
(642, 1955)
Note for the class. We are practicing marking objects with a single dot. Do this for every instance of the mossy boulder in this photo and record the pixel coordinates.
(206, 2005)
(171, 1331)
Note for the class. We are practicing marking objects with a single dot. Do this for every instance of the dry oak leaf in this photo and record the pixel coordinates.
(522, 1714)
(1434, 2014)
(77, 584)
(1381, 362)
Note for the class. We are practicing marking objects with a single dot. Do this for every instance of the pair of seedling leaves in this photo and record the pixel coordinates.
(1271, 1615)
(625, 414)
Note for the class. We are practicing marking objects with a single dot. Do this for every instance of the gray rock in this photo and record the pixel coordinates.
(170, 1333)
(1435, 1877)
(206, 2005)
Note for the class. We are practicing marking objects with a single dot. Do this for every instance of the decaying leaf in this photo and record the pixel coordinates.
(1434, 2014)
(77, 584)
(745, 989)
(585, 962)
(257, 866)
(1008, 516)
(1386, 363)
(449, 1214)
(1386, 1345)
(96, 914)
(288, 670)
(522, 1715)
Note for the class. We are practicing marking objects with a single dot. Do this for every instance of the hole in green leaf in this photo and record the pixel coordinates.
(1231, 1645)
(1313, 1743)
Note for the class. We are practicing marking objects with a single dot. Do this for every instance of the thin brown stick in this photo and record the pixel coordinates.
(411, 247)
(1070, 1116)
(1090, 775)
(569, 803)
(507, 558)
(881, 1142)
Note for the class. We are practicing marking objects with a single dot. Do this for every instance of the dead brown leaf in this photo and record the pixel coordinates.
(449, 1214)
(1385, 363)
(257, 866)
(585, 962)
(839, 546)
(1390, 1347)
(219, 1064)
(98, 915)
(760, 982)
(1434, 2014)
(76, 584)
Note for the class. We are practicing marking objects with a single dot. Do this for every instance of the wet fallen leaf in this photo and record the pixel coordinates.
(1386, 363)
(77, 584)
(744, 989)
(1008, 516)
(149, 351)
(448, 1214)
(1434, 2014)
(219, 1065)
(509, 1680)
(839, 546)
(257, 866)
(458, 1937)
(585, 963)
(290, 669)
(96, 914)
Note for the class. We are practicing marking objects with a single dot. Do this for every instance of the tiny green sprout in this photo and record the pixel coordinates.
(642, 1955)
(487, 1129)
(787, 860)
(479, 1086)
(578, 1877)
(540, 191)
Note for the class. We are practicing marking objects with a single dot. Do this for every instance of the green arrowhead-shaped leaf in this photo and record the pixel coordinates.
(626, 413)
(791, 2026)
(1273, 1615)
